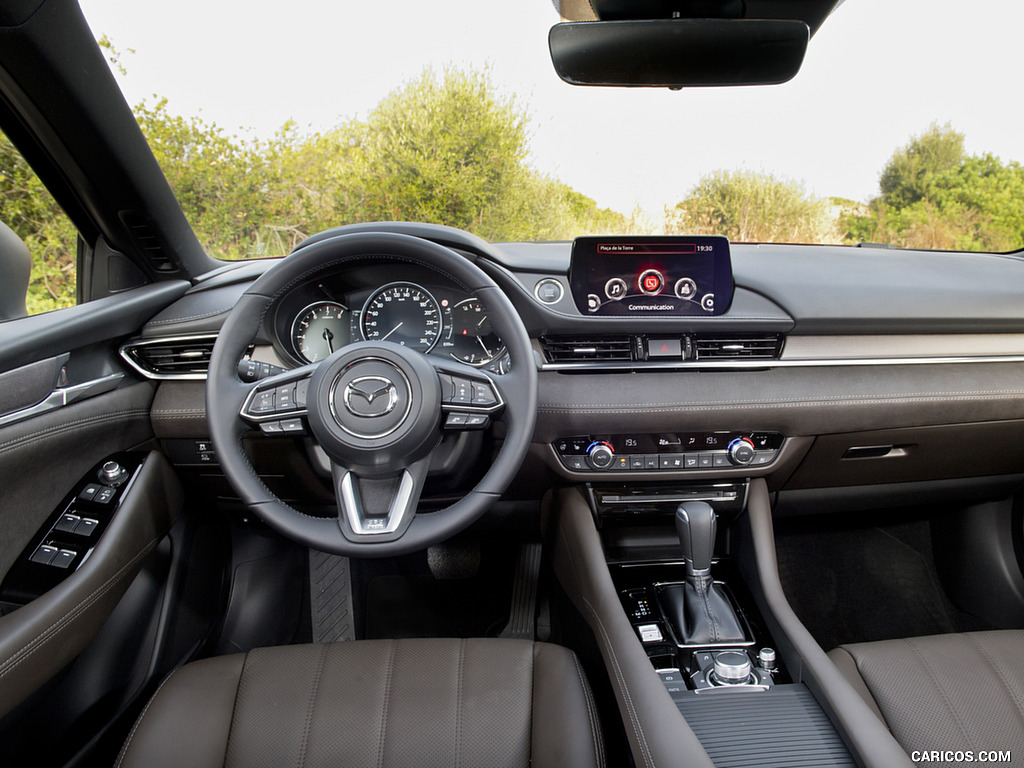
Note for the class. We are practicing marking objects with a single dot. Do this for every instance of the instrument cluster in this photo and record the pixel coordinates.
(317, 319)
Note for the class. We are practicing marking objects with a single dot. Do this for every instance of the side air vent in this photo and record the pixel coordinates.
(587, 349)
(146, 239)
(747, 347)
(182, 357)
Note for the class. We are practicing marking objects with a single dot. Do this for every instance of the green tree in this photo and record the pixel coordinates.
(28, 208)
(907, 176)
(440, 151)
(934, 196)
(752, 207)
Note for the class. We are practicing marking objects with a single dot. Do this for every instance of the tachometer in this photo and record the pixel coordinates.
(404, 313)
(319, 330)
(470, 338)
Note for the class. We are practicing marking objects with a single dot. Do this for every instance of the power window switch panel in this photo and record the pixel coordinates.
(67, 523)
(44, 554)
(86, 527)
(89, 492)
(64, 558)
(105, 495)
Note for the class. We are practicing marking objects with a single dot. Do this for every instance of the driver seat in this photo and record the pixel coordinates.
(428, 703)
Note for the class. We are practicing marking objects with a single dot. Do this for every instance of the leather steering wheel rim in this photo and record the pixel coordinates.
(226, 393)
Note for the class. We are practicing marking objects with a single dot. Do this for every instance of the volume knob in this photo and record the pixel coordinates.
(600, 455)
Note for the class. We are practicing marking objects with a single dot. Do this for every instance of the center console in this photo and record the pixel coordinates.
(669, 550)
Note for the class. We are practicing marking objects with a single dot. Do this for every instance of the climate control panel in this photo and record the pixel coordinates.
(677, 451)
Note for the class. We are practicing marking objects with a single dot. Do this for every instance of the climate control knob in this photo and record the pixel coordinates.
(600, 455)
(741, 451)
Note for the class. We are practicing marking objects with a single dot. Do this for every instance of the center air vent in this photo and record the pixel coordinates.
(662, 350)
(589, 349)
(747, 347)
(183, 357)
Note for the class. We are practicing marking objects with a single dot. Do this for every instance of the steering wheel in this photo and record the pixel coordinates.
(377, 409)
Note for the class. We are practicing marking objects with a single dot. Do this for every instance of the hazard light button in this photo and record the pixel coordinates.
(664, 348)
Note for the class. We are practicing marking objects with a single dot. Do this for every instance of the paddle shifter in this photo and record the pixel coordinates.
(700, 612)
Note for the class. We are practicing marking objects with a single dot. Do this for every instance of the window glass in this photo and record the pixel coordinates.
(29, 210)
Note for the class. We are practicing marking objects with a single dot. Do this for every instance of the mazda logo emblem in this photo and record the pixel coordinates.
(370, 396)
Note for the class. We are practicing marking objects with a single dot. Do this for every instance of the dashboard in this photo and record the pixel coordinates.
(863, 365)
(378, 301)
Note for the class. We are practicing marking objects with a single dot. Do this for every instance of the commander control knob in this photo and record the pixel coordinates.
(732, 668)
(112, 473)
(741, 451)
(600, 455)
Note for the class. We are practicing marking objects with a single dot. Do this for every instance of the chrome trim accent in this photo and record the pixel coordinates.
(536, 291)
(334, 389)
(353, 511)
(645, 365)
(62, 396)
(123, 352)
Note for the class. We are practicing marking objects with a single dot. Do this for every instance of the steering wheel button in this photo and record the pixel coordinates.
(447, 387)
(301, 388)
(263, 402)
(483, 394)
(271, 427)
(292, 426)
(463, 391)
(456, 420)
(284, 398)
(477, 420)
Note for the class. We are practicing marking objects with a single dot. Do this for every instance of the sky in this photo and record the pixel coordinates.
(877, 73)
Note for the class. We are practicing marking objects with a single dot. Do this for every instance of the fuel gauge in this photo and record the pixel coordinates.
(471, 338)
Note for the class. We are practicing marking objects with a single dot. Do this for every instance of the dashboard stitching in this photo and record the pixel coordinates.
(779, 402)
(166, 321)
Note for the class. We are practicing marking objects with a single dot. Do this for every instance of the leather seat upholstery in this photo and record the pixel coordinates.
(958, 692)
(386, 703)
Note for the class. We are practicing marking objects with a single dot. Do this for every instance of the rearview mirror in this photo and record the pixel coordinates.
(679, 53)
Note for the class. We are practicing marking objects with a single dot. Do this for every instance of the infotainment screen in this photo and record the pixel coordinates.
(651, 276)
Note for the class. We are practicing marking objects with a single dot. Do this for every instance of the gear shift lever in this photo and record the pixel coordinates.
(699, 611)
(697, 524)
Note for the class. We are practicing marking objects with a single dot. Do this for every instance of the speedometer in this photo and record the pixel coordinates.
(404, 313)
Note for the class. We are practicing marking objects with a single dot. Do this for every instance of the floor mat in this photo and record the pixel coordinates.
(864, 584)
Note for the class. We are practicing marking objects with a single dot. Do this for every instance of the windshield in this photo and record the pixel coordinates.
(274, 122)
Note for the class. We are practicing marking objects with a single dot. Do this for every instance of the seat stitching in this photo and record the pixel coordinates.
(997, 668)
(942, 693)
(234, 707)
(591, 715)
(387, 704)
(135, 728)
(312, 705)
(619, 677)
(458, 703)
